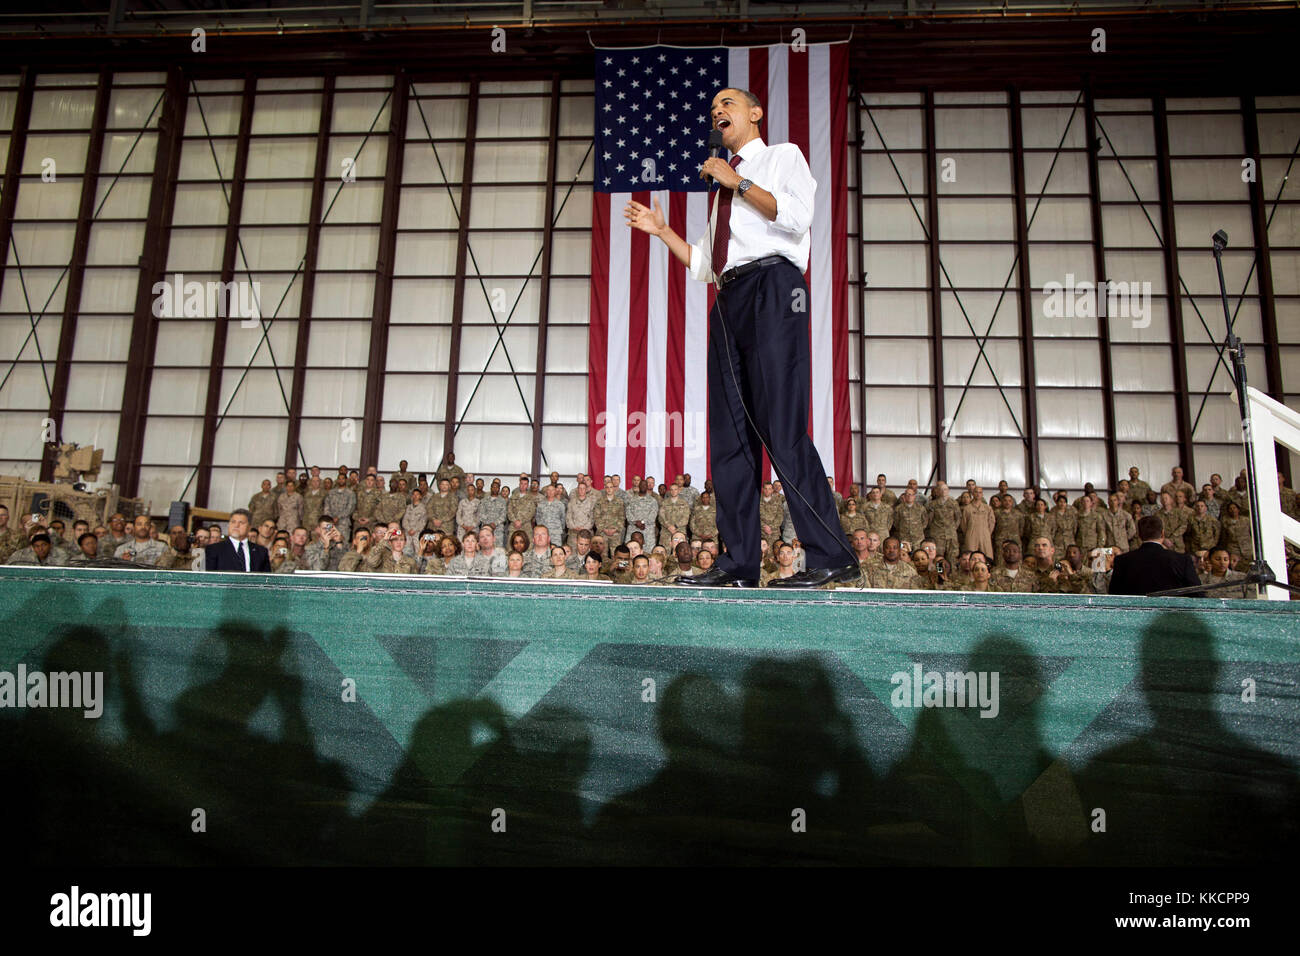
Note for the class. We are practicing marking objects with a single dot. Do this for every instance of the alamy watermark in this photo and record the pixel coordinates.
(922, 688)
(79, 690)
(175, 298)
(623, 429)
(77, 909)
(1083, 299)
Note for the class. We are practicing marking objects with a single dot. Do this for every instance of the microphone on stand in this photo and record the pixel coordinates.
(715, 147)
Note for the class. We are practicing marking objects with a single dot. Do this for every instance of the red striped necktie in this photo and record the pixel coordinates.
(722, 231)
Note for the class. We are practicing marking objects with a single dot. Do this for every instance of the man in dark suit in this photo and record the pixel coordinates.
(1152, 567)
(237, 553)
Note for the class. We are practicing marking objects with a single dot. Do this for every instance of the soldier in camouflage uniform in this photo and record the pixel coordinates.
(1137, 488)
(887, 497)
(850, 520)
(180, 555)
(704, 517)
(771, 514)
(1037, 525)
(609, 515)
(1080, 576)
(580, 515)
(880, 516)
(944, 518)
(1120, 526)
(441, 508)
(142, 548)
(1064, 524)
(1091, 530)
(1235, 534)
(416, 516)
(262, 505)
(449, 469)
(117, 535)
(1177, 484)
(1008, 522)
(1028, 503)
(892, 571)
(1010, 576)
(551, 511)
(674, 513)
(642, 513)
(1175, 522)
(339, 505)
(521, 509)
(910, 519)
(313, 503)
(392, 506)
(11, 539)
(389, 556)
(1202, 529)
(402, 474)
(367, 501)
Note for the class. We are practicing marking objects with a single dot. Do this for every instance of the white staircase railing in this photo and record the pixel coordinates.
(1272, 424)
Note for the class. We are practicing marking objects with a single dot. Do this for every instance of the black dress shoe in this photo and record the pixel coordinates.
(816, 577)
(716, 578)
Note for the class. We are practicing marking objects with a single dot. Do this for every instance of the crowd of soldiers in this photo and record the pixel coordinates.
(650, 533)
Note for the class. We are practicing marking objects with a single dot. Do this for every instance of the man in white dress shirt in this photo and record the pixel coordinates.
(756, 251)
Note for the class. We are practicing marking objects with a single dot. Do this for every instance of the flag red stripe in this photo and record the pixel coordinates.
(843, 465)
(598, 333)
(639, 304)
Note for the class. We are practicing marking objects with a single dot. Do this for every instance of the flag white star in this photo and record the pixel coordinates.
(619, 167)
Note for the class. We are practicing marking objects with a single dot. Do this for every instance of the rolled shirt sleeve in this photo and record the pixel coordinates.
(794, 197)
(701, 267)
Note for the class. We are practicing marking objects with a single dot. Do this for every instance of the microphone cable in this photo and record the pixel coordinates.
(836, 534)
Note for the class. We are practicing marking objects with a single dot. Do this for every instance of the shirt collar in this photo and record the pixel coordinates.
(751, 149)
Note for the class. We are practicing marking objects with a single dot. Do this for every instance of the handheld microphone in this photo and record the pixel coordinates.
(715, 146)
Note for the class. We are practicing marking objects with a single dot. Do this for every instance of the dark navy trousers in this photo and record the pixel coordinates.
(765, 341)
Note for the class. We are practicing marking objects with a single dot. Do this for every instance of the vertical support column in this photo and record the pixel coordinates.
(1028, 366)
(462, 251)
(856, 148)
(1264, 274)
(153, 263)
(307, 299)
(77, 264)
(211, 405)
(1178, 346)
(14, 164)
(1099, 273)
(544, 308)
(936, 294)
(383, 301)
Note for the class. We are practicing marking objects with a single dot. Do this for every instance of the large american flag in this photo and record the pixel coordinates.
(647, 397)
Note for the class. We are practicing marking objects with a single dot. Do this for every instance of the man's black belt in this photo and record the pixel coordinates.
(731, 275)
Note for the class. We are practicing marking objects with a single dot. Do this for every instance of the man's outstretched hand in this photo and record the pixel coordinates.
(639, 217)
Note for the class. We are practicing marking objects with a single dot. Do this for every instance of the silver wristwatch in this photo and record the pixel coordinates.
(742, 186)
